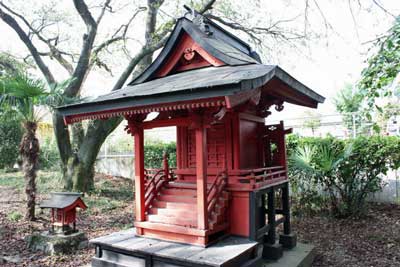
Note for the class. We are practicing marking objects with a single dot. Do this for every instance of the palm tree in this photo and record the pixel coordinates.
(321, 164)
(22, 94)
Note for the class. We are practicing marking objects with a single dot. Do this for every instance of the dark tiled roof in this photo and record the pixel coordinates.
(242, 71)
(195, 84)
(60, 200)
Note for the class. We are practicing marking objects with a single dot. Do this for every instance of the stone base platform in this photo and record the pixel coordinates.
(125, 248)
(54, 244)
(300, 256)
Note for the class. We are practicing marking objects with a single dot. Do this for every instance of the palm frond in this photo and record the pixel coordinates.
(21, 93)
(326, 159)
(302, 160)
(56, 94)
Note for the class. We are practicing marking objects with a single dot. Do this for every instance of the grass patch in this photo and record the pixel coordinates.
(46, 181)
(120, 190)
(101, 205)
(14, 216)
(109, 194)
(12, 179)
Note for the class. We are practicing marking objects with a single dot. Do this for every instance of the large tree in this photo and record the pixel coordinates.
(42, 32)
(381, 77)
(79, 146)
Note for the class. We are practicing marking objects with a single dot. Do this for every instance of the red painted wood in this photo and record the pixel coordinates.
(176, 236)
(201, 177)
(166, 123)
(228, 143)
(248, 144)
(139, 175)
(236, 141)
(239, 213)
(177, 62)
(127, 112)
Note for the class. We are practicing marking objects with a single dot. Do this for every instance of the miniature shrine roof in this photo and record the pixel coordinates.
(61, 200)
(226, 67)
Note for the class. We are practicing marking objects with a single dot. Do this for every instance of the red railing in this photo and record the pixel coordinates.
(155, 180)
(153, 187)
(216, 189)
(261, 176)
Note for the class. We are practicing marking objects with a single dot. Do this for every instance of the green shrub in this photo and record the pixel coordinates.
(14, 216)
(344, 171)
(10, 137)
(154, 151)
(49, 158)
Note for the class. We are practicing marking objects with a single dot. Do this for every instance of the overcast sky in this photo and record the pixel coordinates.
(333, 55)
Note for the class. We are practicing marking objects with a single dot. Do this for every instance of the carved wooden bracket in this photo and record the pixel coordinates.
(134, 122)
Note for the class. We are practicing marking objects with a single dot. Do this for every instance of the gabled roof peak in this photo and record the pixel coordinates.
(207, 35)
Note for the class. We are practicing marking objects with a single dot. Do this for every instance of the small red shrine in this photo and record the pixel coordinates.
(63, 207)
(231, 166)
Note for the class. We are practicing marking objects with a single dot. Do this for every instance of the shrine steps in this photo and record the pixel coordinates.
(172, 216)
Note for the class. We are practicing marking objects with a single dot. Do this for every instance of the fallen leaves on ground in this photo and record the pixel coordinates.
(373, 240)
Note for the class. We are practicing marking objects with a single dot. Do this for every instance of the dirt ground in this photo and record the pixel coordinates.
(109, 211)
(371, 241)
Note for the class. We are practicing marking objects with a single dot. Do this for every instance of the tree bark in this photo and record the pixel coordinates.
(78, 160)
(29, 150)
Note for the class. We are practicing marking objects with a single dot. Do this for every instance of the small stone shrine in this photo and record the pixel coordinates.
(62, 237)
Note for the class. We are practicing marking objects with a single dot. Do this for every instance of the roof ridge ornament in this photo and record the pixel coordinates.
(198, 19)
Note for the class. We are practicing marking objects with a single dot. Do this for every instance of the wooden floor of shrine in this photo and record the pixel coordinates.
(125, 248)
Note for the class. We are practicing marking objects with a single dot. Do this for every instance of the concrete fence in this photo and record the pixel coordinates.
(116, 165)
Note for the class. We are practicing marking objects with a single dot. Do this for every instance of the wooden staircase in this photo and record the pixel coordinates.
(172, 212)
(176, 205)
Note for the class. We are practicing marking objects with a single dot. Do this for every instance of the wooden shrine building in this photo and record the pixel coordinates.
(231, 166)
(63, 207)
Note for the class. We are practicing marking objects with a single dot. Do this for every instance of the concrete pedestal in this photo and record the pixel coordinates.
(272, 251)
(54, 244)
(288, 241)
(301, 256)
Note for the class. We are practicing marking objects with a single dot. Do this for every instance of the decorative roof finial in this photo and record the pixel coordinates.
(198, 19)
(191, 11)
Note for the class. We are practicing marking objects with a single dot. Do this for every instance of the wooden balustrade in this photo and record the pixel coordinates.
(214, 192)
(259, 177)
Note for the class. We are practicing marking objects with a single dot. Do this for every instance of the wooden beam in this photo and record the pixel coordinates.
(185, 121)
(139, 175)
(271, 237)
(201, 177)
(241, 98)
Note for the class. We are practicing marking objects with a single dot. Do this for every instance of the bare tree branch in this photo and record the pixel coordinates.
(10, 21)
(253, 32)
(207, 6)
(146, 50)
(81, 69)
(119, 35)
(103, 11)
(54, 52)
(383, 8)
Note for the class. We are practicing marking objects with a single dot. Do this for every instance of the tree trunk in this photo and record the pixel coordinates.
(78, 169)
(29, 150)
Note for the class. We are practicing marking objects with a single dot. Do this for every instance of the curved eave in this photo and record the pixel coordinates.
(272, 80)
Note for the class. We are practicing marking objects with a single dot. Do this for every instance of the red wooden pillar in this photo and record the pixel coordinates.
(201, 176)
(139, 176)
